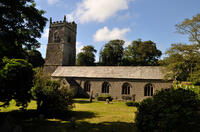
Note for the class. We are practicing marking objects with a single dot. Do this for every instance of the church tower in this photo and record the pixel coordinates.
(61, 48)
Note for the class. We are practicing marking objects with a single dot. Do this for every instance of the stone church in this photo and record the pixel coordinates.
(121, 82)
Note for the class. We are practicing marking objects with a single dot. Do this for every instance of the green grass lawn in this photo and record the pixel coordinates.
(89, 117)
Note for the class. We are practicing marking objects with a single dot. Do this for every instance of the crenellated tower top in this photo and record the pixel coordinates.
(71, 25)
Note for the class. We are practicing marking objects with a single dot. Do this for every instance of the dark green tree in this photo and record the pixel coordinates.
(35, 58)
(190, 27)
(20, 26)
(86, 57)
(16, 81)
(182, 61)
(54, 99)
(169, 110)
(142, 53)
(112, 53)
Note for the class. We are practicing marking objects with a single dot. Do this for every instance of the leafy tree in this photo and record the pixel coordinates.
(191, 27)
(169, 110)
(195, 77)
(15, 81)
(86, 57)
(142, 53)
(182, 61)
(53, 98)
(35, 58)
(112, 53)
(20, 25)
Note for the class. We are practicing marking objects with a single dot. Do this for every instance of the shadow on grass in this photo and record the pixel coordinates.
(33, 114)
(29, 122)
(78, 127)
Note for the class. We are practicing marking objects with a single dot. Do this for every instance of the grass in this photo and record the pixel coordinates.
(89, 117)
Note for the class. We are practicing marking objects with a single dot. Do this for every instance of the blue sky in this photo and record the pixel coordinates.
(102, 20)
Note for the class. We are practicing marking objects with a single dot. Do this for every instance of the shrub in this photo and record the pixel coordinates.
(169, 110)
(195, 78)
(53, 98)
(126, 97)
(103, 97)
(16, 77)
(131, 103)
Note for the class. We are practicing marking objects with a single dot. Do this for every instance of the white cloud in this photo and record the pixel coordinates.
(51, 2)
(104, 34)
(79, 47)
(127, 43)
(46, 33)
(98, 10)
(70, 17)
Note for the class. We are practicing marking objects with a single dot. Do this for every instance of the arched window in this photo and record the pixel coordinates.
(87, 86)
(105, 87)
(56, 37)
(148, 90)
(126, 88)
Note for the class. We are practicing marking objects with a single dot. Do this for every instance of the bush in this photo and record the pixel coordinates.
(53, 98)
(169, 110)
(16, 76)
(131, 103)
(195, 78)
(103, 97)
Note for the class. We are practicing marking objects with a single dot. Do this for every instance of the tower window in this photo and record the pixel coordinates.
(105, 87)
(87, 86)
(148, 90)
(69, 39)
(126, 88)
(56, 37)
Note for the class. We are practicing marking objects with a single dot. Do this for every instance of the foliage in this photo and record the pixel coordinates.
(86, 57)
(190, 27)
(132, 103)
(103, 97)
(142, 53)
(21, 23)
(169, 110)
(195, 77)
(53, 98)
(182, 61)
(16, 77)
(35, 58)
(112, 53)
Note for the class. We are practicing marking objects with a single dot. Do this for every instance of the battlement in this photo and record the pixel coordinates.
(71, 25)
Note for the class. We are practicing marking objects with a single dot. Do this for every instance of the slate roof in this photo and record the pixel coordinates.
(126, 72)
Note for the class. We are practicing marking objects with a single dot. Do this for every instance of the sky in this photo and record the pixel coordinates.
(99, 21)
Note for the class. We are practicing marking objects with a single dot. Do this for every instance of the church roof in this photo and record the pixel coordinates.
(126, 72)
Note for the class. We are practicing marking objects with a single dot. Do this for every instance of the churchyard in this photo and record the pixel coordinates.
(86, 117)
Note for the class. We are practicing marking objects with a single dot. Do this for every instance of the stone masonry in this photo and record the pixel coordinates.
(61, 48)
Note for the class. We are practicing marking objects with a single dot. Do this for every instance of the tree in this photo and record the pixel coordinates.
(35, 58)
(112, 53)
(182, 61)
(20, 25)
(169, 110)
(53, 98)
(142, 53)
(16, 81)
(190, 27)
(86, 57)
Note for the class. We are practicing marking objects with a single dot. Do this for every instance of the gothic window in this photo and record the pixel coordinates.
(148, 90)
(126, 88)
(105, 87)
(87, 86)
(56, 37)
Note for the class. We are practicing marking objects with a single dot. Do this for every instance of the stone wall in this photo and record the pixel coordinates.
(137, 87)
